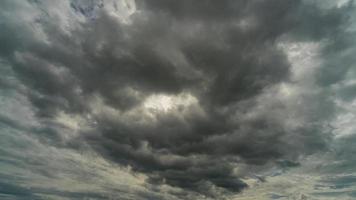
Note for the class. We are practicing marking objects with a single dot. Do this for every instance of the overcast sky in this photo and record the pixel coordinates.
(177, 99)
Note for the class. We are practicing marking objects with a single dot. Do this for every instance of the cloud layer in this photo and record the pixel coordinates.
(184, 99)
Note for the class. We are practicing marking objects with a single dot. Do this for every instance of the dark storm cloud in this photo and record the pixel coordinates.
(224, 53)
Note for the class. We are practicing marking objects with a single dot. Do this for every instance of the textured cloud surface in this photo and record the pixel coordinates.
(167, 99)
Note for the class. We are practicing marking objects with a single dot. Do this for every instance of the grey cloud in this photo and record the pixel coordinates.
(225, 54)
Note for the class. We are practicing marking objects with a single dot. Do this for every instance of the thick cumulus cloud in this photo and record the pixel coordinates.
(195, 95)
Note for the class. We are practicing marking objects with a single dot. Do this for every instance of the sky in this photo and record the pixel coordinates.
(177, 100)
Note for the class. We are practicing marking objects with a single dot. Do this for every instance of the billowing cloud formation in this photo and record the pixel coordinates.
(196, 97)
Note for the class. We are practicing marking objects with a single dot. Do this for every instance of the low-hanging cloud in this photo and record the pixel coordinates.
(195, 95)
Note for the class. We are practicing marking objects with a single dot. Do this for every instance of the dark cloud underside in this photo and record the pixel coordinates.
(219, 63)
